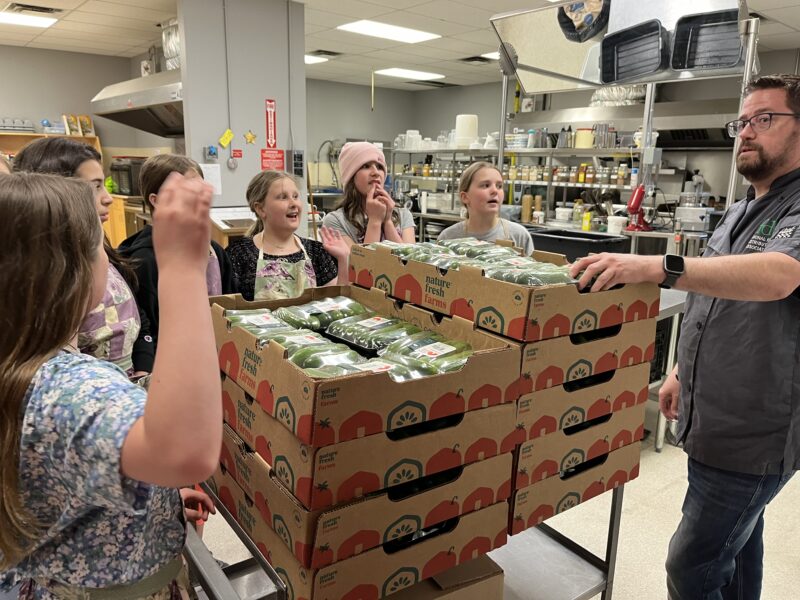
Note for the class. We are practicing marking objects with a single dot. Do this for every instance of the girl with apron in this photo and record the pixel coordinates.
(271, 262)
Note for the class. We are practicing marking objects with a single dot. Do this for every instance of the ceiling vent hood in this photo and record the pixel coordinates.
(685, 124)
(153, 103)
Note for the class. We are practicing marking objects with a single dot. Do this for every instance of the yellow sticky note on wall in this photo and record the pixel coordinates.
(226, 138)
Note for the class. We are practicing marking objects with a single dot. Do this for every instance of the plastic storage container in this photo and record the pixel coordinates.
(576, 244)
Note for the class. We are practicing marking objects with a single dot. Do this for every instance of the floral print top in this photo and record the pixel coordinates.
(102, 529)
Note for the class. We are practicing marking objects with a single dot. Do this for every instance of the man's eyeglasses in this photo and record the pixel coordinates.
(759, 123)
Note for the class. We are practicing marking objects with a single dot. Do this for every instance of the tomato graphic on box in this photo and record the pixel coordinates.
(557, 326)
(265, 396)
(323, 556)
(595, 489)
(517, 326)
(351, 274)
(637, 310)
(613, 315)
(361, 424)
(480, 498)
(228, 409)
(365, 279)
(625, 400)
(462, 307)
(600, 408)
(324, 435)
(513, 439)
(543, 426)
(523, 479)
(440, 562)
(541, 514)
(631, 356)
(450, 403)
(599, 448)
(444, 459)
(517, 525)
(226, 497)
(408, 288)
(263, 507)
(355, 486)
(623, 438)
(485, 396)
(545, 469)
(229, 361)
(523, 385)
(475, 548)
(364, 591)
(358, 543)
(226, 460)
(549, 377)
(446, 509)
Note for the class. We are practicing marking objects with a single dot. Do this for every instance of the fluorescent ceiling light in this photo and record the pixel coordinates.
(26, 20)
(312, 60)
(492, 55)
(409, 74)
(389, 32)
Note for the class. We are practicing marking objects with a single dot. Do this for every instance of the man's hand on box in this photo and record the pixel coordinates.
(609, 269)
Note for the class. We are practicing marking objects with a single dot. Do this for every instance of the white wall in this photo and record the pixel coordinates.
(43, 84)
(341, 111)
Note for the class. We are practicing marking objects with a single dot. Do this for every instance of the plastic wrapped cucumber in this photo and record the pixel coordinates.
(406, 367)
(296, 339)
(303, 357)
(329, 371)
(409, 344)
(257, 318)
(461, 245)
(492, 252)
(320, 313)
(365, 332)
(389, 335)
(344, 356)
(451, 362)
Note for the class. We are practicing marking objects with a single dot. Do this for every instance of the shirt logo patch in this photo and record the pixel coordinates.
(786, 233)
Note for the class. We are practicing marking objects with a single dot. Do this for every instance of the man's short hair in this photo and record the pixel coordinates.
(789, 83)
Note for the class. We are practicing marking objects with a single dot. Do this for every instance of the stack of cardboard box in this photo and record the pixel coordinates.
(583, 371)
(358, 487)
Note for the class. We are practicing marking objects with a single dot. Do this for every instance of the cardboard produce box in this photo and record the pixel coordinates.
(572, 403)
(538, 502)
(321, 412)
(378, 572)
(479, 579)
(549, 455)
(319, 538)
(517, 311)
(573, 357)
(323, 477)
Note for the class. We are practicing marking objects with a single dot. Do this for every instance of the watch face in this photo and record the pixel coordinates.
(673, 263)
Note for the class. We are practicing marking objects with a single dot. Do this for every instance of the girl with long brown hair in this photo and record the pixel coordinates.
(272, 261)
(116, 330)
(367, 212)
(89, 461)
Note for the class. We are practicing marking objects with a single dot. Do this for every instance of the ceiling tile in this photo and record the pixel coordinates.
(436, 53)
(423, 23)
(479, 36)
(92, 28)
(455, 12)
(325, 18)
(462, 47)
(366, 41)
(19, 29)
(772, 28)
(13, 42)
(501, 6)
(112, 21)
(129, 10)
(787, 16)
(97, 44)
(397, 4)
(166, 6)
(87, 38)
(784, 41)
(759, 5)
(354, 9)
(9, 37)
(57, 4)
(311, 29)
(335, 45)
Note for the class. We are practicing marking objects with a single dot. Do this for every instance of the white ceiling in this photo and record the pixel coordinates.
(128, 27)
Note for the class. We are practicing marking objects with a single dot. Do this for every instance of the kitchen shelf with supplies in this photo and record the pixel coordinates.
(12, 142)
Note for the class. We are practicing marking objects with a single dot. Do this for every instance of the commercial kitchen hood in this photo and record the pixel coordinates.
(685, 124)
(153, 103)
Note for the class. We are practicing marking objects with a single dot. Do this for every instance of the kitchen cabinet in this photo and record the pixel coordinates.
(115, 226)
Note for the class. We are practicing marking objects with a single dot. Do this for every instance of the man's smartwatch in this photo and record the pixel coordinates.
(674, 267)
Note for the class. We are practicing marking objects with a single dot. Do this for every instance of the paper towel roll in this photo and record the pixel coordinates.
(466, 128)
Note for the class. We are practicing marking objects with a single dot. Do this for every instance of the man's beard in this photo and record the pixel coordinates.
(762, 166)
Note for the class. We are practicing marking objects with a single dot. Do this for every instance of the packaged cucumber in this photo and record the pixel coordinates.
(389, 335)
(303, 357)
(406, 367)
(451, 362)
(329, 371)
(440, 349)
(319, 314)
(366, 333)
(340, 356)
(297, 339)
(492, 252)
(257, 318)
(461, 245)
(409, 344)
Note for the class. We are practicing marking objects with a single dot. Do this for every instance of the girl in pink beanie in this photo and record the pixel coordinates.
(367, 212)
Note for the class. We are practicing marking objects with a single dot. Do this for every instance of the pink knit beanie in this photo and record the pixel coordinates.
(354, 155)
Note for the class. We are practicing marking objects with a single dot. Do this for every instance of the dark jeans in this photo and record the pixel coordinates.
(718, 550)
